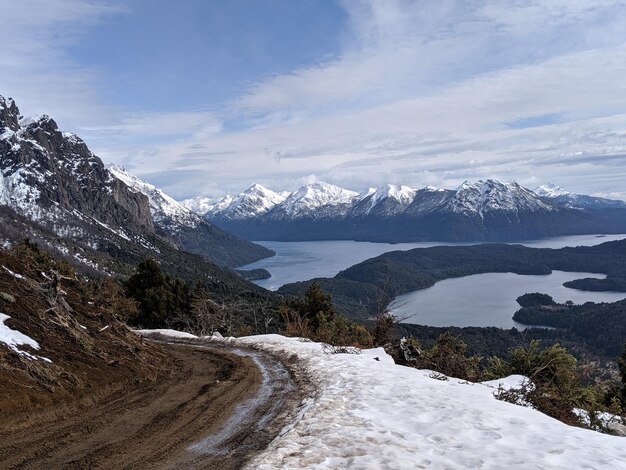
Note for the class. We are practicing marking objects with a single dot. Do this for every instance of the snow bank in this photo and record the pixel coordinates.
(13, 338)
(166, 332)
(372, 414)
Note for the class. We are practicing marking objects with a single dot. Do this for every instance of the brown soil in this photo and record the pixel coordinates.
(150, 424)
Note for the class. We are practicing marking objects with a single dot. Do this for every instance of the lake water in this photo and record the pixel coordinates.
(300, 261)
(488, 299)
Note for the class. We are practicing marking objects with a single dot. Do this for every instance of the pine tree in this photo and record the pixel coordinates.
(318, 306)
(151, 287)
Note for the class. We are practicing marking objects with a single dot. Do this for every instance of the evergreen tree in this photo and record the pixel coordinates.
(151, 288)
(318, 306)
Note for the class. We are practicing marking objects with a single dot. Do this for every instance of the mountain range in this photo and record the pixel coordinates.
(57, 193)
(485, 210)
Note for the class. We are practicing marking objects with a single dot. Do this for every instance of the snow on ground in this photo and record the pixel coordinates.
(373, 414)
(167, 332)
(369, 413)
(13, 338)
(15, 275)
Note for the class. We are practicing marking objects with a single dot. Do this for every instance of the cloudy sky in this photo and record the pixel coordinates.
(206, 97)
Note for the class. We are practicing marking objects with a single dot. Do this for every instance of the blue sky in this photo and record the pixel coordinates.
(207, 97)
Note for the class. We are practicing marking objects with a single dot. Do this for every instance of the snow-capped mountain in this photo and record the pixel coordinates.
(202, 205)
(475, 211)
(50, 176)
(489, 195)
(383, 200)
(64, 192)
(255, 201)
(314, 200)
(551, 190)
(555, 194)
(163, 208)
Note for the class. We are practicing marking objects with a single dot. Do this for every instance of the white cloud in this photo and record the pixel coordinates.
(36, 69)
(422, 93)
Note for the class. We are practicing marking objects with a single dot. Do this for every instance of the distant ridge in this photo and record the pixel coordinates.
(485, 210)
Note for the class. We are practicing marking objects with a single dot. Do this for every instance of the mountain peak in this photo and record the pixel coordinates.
(256, 187)
(384, 200)
(314, 196)
(39, 120)
(321, 193)
(253, 202)
(551, 190)
(162, 206)
(9, 114)
(492, 195)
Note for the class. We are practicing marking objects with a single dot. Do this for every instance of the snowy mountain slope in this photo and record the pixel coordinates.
(202, 205)
(52, 179)
(370, 413)
(314, 200)
(255, 201)
(192, 232)
(550, 190)
(384, 200)
(162, 207)
(489, 195)
(561, 197)
(428, 200)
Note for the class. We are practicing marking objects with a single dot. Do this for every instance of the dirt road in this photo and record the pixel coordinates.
(217, 409)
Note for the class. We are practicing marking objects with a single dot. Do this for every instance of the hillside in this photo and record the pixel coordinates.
(53, 180)
(60, 337)
(79, 389)
(57, 193)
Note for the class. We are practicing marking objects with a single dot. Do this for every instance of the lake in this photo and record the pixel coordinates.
(300, 261)
(488, 299)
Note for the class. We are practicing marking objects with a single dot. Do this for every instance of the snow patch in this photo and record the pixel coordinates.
(166, 332)
(15, 275)
(371, 413)
(13, 338)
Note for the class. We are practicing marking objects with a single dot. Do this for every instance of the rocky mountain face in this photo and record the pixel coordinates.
(55, 190)
(486, 210)
(192, 232)
(50, 175)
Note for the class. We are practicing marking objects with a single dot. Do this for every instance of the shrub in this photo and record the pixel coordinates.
(314, 317)
(447, 356)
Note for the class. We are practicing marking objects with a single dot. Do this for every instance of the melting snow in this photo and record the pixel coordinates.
(15, 275)
(167, 332)
(13, 338)
(373, 414)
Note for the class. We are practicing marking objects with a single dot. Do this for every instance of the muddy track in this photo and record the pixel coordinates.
(218, 408)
